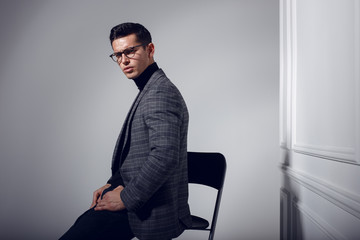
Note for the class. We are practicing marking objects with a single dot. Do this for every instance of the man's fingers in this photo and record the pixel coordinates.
(97, 194)
(101, 205)
(95, 198)
(93, 203)
(120, 187)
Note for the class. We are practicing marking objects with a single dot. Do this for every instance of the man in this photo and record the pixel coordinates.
(147, 193)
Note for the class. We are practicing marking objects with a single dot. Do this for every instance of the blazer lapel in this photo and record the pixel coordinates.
(120, 143)
(126, 129)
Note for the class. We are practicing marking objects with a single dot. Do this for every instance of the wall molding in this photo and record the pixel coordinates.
(320, 223)
(288, 83)
(342, 154)
(357, 76)
(282, 74)
(286, 57)
(349, 202)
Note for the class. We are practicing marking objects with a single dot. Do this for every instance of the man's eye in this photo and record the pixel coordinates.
(129, 51)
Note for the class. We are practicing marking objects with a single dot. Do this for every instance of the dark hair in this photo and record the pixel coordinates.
(125, 29)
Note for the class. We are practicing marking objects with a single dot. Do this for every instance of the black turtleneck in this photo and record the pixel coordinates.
(145, 76)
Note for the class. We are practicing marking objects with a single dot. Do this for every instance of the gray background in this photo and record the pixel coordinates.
(63, 101)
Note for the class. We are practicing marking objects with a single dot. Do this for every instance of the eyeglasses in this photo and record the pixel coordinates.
(128, 52)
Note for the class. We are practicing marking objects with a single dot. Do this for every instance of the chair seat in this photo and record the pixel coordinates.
(199, 223)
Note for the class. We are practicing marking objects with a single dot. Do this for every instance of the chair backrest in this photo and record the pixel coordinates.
(208, 169)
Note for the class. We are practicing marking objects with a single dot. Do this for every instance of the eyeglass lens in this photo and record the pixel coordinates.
(129, 52)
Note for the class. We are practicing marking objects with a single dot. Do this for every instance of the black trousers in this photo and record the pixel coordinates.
(100, 225)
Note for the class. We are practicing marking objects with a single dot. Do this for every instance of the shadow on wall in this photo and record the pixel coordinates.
(290, 217)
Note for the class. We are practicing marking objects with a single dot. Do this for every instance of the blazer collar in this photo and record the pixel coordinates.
(156, 75)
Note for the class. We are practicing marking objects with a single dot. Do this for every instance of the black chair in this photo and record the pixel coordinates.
(207, 169)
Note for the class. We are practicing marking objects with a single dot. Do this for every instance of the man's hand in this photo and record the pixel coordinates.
(111, 201)
(97, 194)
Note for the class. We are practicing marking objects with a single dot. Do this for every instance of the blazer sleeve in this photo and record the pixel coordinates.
(163, 118)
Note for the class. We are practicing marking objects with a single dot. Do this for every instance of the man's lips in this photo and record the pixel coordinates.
(128, 69)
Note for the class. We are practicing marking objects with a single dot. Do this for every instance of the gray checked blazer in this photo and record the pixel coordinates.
(154, 170)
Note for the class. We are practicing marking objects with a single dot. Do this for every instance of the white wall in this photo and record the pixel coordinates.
(63, 101)
(320, 119)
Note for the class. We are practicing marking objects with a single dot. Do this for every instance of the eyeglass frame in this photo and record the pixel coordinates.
(123, 52)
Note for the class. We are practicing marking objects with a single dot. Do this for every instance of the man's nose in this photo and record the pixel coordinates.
(124, 59)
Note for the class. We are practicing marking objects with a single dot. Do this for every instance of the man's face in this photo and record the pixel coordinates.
(133, 67)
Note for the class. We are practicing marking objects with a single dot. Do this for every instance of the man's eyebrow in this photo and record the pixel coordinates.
(128, 48)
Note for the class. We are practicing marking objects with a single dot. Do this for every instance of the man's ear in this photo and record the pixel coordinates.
(151, 50)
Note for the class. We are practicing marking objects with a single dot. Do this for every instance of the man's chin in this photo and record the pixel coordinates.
(131, 75)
